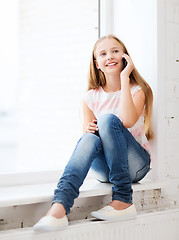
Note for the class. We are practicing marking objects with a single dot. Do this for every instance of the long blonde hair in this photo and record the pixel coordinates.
(97, 78)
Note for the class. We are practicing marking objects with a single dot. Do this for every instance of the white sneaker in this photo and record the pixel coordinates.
(50, 223)
(109, 213)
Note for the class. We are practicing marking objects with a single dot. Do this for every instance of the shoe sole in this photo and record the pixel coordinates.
(48, 228)
(101, 216)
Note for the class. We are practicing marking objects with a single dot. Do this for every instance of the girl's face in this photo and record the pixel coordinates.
(108, 56)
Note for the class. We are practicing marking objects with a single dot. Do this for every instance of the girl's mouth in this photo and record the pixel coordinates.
(111, 64)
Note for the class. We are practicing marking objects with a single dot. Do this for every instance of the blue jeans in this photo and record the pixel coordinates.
(115, 156)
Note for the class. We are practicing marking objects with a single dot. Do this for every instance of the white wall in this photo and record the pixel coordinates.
(9, 55)
(9, 76)
(172, 88)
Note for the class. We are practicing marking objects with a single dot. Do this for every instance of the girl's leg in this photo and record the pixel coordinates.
(111, 132)
(88, 147)
(125, 159)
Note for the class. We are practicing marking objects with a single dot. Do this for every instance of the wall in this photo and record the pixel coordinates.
(9, 74)
(172, 89)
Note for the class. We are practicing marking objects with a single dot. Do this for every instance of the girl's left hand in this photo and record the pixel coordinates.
(125, 73)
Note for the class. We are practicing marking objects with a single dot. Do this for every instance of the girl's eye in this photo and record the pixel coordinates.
(115, 51)
(102, 54)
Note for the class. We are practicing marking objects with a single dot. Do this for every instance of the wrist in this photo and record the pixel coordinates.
(125, 81)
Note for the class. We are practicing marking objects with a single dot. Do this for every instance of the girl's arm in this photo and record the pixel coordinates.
(89, 120)
(130, 108)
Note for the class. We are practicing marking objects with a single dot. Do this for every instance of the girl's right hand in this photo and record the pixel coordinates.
(92, 127)
(125, 73)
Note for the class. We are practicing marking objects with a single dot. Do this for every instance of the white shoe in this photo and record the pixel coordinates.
(109, 213)
(50, 223)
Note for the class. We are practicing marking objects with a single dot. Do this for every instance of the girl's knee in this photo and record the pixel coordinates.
(107, 121)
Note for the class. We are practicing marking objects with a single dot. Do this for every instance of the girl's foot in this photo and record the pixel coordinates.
(55, 219)
(57, 210)
(118, 205)
(115, 211)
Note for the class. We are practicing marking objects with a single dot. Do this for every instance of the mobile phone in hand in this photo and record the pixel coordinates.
(124, 62)
(96, 132)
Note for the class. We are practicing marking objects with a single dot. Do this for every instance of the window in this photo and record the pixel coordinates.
(50, 42)
(55, 44)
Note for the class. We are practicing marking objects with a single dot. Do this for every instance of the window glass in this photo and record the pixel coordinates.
(55, 44)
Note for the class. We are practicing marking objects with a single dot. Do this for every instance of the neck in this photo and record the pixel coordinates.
(113, 83)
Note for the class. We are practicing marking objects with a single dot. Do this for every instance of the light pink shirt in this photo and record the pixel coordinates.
(101, 102)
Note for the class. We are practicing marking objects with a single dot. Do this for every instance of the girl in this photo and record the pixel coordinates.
(117, 126)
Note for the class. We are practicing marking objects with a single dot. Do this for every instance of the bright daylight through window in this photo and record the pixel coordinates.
(50, 44)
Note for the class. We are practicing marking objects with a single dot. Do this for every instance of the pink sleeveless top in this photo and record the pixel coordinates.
(101, 102)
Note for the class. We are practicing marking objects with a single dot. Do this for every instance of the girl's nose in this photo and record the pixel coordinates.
(109, 56)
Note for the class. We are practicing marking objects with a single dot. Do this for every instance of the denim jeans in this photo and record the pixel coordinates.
(115, 156)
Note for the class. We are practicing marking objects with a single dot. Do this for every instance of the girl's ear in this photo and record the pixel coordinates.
(96, 63)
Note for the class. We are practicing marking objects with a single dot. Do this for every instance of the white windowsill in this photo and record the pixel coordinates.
(36, 193)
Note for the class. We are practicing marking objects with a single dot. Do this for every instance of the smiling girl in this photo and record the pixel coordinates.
(117, 112)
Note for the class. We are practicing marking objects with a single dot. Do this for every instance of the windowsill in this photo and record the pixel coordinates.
(36, 193)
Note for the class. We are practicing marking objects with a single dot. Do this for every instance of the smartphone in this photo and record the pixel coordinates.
(124, 62)
(96, 132)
